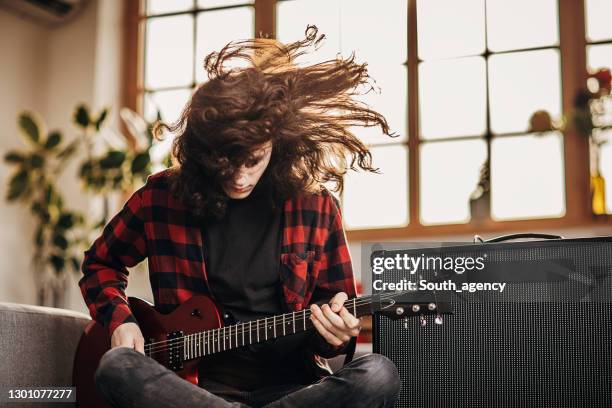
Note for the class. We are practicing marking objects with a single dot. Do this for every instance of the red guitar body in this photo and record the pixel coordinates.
(197, 314)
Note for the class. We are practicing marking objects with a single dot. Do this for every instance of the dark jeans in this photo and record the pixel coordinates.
(129, 379)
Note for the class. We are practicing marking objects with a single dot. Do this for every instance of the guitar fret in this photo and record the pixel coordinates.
(185, 349)
(284, 325)
(236, 329)
(257, 324)
(218, 339)
(293, 314)
(354, 307)
(230, 337)
(250, 334)
(242, 325)
(274, 325)
(266, 327)
(304, 318)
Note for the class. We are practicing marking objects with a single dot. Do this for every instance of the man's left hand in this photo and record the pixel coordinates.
(334, 322)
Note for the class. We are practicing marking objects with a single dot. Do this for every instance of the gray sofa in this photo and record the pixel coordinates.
(37, 346)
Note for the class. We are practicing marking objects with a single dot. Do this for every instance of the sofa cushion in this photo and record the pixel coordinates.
(37, 344)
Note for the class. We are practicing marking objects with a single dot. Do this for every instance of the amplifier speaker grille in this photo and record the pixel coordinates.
(506, 354)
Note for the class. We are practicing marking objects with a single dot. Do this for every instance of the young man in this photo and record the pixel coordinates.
(242, 218)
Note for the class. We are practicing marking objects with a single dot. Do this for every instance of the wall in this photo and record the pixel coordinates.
(22, 84)
(49, 71)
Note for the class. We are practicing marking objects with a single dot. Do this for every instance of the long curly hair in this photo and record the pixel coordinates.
(307, 112)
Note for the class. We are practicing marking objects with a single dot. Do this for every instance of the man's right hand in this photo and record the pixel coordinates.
(128, 335)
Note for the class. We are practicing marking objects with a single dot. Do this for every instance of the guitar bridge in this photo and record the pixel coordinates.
(175, 350)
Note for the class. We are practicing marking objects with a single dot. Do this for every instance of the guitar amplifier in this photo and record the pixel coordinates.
(546, 342)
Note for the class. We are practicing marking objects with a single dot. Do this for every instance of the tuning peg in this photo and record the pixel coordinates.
(422, 320)
(438, 320)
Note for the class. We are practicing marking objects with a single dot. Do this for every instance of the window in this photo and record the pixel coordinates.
(599, 55)
(480, 79)
(458, 83)
(178, 34)
(348, 26)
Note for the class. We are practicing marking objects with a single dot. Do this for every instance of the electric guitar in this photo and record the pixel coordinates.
(178, 340)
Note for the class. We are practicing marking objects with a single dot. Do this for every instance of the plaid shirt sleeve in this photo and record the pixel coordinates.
(335, 275)
(122, 244)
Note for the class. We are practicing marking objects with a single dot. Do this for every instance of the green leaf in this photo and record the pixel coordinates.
(101, 119)
(76, 265)
(53, 140)
(81, 116)
(49, 194)
(37, 160)
(60, 242)
(29, 127)
(57, 262)
(39, 237)
(14, 157)
(68, 150)
(86, 169)
(140, 162)
(66, 221)
(18, 185)
(113, 159)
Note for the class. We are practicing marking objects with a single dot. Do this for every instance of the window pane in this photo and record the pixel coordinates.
(294, 16)
(599, 56)
(390, 101)
(598, 14)
(377, 32)
(378, 200)
(165, 6)
(520, 84)
(450, 28)
(452, 98)
(527, 177)
(605, 166)
(537, 19)
(449, 174)
(169, 51)
(217, 28)
(169, 103)
(222, 3)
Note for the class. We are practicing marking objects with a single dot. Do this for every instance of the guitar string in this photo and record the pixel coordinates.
(160, 346)
(179, 342)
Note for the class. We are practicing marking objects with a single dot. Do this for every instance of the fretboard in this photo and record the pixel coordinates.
(225, 338)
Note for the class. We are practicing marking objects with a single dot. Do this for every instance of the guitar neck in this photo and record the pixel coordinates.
(213, 341)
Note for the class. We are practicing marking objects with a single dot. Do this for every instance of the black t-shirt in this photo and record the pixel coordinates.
(242, 256)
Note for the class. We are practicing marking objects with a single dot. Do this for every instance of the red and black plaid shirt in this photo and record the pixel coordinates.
(153, 224)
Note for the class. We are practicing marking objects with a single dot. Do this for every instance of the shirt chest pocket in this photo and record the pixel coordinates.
(298, 273)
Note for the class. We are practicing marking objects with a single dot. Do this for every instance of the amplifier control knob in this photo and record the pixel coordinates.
(399, 311)
(416, 308)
